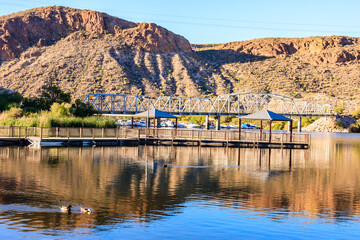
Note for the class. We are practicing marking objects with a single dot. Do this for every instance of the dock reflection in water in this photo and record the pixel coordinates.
(129, 187)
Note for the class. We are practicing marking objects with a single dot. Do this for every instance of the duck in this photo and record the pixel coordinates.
(86, 210)
(66, 208)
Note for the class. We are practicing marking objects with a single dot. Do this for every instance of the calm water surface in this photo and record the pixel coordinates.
(204, 193)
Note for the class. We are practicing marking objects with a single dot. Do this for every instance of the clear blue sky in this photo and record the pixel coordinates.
(210, 21)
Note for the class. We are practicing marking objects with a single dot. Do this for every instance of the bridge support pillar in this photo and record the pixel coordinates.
(218, 122)
(158, 125)
(299, 125)
(207, 122)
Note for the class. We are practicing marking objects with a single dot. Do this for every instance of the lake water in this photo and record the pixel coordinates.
(203, 193)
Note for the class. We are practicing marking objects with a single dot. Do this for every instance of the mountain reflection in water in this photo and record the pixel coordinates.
(129, 186)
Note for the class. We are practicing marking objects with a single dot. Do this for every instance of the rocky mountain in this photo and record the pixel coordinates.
(85, 51)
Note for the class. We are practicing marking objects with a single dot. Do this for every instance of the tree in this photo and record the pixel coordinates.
(81, 109)
(8, 100)
(55, 94)
(49, 95)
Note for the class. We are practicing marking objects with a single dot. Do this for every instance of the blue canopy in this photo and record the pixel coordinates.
(154, 113)
(266, 115)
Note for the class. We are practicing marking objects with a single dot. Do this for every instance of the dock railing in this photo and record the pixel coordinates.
(155, 133)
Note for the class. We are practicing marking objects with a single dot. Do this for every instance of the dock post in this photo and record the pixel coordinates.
(117, 133)
(57, 132)
(12, 131)
(41, 132)
(199, 137)
(80, 132)
(9, 131)
(93, 133)
(68, 133)
(218, 122)
(19, 132)
(102, 132)
(138, 135)
(207, 123)
(26, 132)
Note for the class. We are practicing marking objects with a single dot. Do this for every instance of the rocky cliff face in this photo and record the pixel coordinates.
(45, 26)
(315, 50)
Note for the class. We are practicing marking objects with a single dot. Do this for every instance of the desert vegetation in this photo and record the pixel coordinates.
(52, 109)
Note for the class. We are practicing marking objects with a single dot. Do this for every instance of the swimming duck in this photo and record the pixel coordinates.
(86, 210)
(66, 208)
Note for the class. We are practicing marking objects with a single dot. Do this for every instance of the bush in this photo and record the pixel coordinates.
(60, 110)
(15, 113)
(306, 121)
(339, 109)
(8, 100)
(278, 125)
(356, 113)
(49, 96)
(48, 120)
(81, 109)
(355, 127)
(339, 124)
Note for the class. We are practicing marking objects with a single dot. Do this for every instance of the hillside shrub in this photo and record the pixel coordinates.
(355, 127)
(339, 109)
(356, 113)
(339, 124)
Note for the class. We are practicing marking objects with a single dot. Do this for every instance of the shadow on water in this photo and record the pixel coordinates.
(127, 185)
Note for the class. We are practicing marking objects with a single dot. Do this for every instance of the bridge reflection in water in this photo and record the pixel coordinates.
(130, 185)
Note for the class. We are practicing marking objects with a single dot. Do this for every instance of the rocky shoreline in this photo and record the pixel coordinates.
(330, 124)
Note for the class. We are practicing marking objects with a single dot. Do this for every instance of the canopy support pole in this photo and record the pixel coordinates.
(270, 132)
(239, 128)
(261, 130)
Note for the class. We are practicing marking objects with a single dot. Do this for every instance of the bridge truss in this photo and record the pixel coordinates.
(224, 105)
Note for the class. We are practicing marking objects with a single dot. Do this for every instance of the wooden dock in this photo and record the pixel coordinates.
(151, 136)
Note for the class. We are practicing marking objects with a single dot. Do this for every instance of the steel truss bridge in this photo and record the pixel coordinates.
(236, 104)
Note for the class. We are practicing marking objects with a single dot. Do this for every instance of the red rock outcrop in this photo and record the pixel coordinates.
(149, 36)
(45, 26)
(316, 50)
